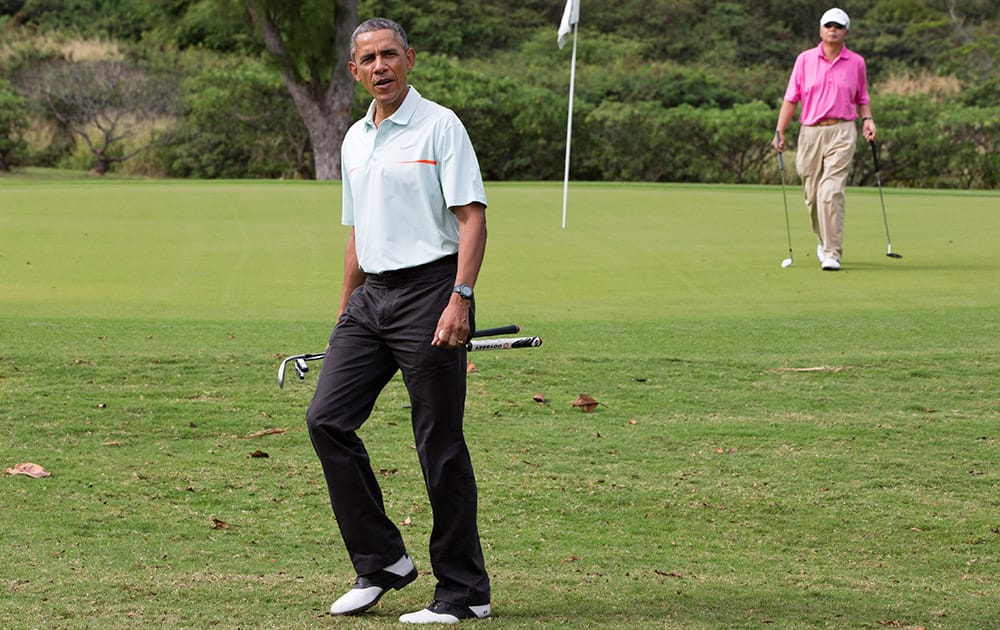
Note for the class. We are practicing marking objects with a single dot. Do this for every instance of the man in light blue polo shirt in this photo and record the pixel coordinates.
(413, 196)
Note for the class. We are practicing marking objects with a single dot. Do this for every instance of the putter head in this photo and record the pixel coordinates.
(786, 263)
(892, 254)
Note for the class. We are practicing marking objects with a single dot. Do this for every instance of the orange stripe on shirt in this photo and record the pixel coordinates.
(432, 162)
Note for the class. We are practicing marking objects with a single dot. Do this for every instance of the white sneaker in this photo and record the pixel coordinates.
(831, 264)
(368, 589)
(443, 612)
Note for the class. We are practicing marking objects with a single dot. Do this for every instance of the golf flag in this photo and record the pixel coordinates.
(570, 18)
(571, 15)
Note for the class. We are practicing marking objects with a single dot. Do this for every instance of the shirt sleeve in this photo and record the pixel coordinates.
(461, 178)
(863, 98)
(347, 195)
(793, 92)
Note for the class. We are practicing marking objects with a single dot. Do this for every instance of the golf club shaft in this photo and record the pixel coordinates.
(510, 329)
(784, 197)
(878, 181)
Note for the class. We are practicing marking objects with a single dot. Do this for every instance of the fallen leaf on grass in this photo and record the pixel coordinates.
(672, 574)
(219, 524)
(27, 468)
(470, 367)
(262, 433)
(586, 403)
(258, 453)
(539, 397)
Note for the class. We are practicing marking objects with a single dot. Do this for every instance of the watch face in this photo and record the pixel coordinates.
(464, 291)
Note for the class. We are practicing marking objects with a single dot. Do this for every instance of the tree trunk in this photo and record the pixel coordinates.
(325, 108)
(327, 119)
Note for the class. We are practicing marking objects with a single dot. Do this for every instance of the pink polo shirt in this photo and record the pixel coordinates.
(828, 90)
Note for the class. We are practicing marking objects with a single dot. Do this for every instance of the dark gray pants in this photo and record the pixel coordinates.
(388, 326)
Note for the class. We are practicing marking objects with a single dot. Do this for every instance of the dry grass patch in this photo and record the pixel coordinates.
(71, 49)
(910, 83)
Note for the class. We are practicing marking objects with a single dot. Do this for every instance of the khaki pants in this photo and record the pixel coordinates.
(823, 160)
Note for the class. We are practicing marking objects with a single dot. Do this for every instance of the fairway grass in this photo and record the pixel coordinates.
(775, 447)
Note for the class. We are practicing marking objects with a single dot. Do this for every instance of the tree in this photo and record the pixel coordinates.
(105, 103)
(13, 124)
(239, 122)
(310, 42)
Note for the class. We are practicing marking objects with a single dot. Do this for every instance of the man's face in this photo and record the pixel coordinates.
(833, 33)
(380, 63)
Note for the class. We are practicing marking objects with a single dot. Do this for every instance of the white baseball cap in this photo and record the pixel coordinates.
(836, 15)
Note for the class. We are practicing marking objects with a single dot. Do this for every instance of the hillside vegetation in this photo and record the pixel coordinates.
(666, 90)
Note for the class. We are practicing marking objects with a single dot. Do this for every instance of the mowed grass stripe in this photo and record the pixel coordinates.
(273, 250)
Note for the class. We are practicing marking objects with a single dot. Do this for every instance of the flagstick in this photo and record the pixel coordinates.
(569, 126)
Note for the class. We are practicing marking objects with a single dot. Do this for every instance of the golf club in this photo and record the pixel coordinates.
(299, 361)
(885, 219)
(300, 366)
(510, 329)
(788, 228)
(504, 343)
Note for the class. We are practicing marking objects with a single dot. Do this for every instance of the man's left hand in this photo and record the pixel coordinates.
(453, 327)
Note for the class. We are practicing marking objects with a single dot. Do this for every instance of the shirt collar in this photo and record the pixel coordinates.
(844, 53)
(402, 115)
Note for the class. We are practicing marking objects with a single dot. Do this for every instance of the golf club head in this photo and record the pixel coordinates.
(894, 255)
(786, 263)
(281, 374)
(301, 368)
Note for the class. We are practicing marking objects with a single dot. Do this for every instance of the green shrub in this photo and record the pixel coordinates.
(13, 124)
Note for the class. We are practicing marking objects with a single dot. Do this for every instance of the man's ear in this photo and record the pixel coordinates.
(353, 67)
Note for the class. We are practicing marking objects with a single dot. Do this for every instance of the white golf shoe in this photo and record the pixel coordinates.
(443, 612)
(831, 264)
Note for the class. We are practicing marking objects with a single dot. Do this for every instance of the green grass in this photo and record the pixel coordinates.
(720, 484)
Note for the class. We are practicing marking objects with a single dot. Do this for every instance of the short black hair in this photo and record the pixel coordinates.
(378, 24)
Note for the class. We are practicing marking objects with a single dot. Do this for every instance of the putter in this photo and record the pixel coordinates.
(300, 361)
(885, 219)
(788, 228)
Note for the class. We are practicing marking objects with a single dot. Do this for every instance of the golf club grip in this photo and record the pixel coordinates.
(875, 155)
(508, 343)
(781, 161)
(511, 329)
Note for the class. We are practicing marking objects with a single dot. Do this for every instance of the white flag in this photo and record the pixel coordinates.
(571, 15)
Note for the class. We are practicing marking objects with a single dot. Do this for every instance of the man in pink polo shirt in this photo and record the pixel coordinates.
(832, 84)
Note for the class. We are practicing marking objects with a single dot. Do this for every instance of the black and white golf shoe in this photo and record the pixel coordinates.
(370, 588)
(443, 612)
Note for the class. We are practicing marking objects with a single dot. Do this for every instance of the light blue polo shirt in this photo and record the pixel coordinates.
(401, 178)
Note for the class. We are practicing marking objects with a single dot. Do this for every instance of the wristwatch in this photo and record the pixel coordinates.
(463, 290)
